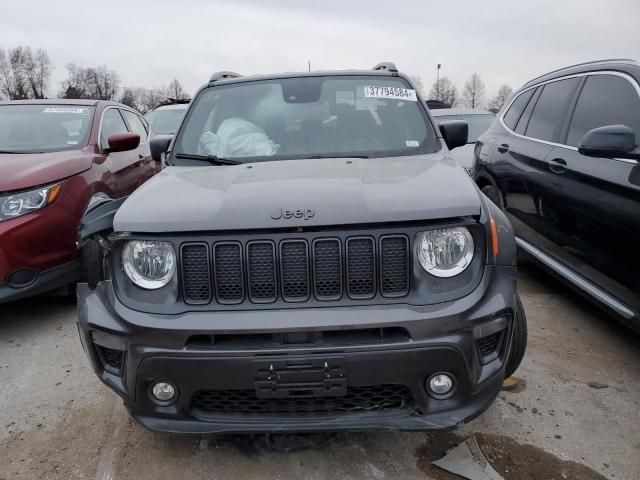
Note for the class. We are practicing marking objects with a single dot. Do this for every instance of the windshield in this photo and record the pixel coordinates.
(291, 118)
(44, 128)
(165, 121)
(478, 123)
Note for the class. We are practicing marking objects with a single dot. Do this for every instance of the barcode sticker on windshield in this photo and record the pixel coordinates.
(391, 92)
(64, 110)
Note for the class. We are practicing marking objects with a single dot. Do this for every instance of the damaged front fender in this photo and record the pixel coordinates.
(98, 217)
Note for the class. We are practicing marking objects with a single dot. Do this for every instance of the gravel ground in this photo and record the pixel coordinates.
(58, 421)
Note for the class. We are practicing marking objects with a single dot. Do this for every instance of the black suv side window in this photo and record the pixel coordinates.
(550, 109)
(605, 100)
(516, 108)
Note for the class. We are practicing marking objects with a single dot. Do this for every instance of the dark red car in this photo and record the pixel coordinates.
(54, 156)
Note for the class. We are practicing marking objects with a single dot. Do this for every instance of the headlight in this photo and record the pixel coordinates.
(445, 252)
(18, 204)
(149, 264)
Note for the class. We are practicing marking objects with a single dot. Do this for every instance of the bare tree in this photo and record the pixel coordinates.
(36, 69)
(128, 98)
(98, 83)
(444, 91)
(497, 102)
(175, 90)
(473, 91)
(7, 80)
(417, 82)
(24, 74)
(13, 82)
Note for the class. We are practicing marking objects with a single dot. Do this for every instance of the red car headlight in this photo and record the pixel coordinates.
(18, 204)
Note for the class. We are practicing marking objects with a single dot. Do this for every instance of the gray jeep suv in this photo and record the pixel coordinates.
(310, 259)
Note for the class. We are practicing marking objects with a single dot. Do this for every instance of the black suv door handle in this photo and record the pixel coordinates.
(504, 148)
(558, 165)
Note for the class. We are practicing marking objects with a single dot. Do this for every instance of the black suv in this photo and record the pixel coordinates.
(562, 161)
(311, 258)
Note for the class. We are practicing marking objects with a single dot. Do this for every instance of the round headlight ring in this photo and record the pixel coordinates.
(149, 264)
(445, 252)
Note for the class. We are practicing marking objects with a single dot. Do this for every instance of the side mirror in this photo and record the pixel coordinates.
(612, 141)
(455, 133)
(159, 146)
(123, 142)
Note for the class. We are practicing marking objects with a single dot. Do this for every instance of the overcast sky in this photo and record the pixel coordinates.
(149, 42)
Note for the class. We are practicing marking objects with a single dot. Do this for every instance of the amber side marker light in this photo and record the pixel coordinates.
(494, 237)
(53, 193)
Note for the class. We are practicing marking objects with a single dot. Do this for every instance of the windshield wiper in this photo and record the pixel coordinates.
(16, 153)
(212, 159)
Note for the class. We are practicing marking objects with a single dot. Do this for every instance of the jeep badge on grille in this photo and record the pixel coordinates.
(305, 214)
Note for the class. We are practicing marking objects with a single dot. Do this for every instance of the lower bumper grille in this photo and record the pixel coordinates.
(112, 359)
(357, 399)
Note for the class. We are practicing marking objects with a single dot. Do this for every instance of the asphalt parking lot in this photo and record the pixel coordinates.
(574, 413)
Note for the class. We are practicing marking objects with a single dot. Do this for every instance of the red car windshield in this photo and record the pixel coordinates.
(44, 128)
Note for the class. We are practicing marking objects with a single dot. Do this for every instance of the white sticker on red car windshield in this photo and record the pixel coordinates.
(397, 93)
(64, 110)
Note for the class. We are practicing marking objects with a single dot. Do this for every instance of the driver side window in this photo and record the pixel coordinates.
(112, 123)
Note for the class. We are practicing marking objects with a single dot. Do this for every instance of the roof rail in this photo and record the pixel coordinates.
(386, 66)
(592, 62)
(223, 75)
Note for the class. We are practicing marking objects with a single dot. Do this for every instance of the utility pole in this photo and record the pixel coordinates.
(438, 82)
(309, 63)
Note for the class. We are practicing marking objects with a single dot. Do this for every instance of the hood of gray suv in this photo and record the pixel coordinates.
(299, 193)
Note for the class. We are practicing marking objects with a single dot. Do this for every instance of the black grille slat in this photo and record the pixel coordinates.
(294, 270)
(394, 266)
(327, 269)
(196, 276)
(261, 271)
(357, 399)
(361, 272)
(229, 284)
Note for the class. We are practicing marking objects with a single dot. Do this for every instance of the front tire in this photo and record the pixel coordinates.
(92, 263)
(518, 341)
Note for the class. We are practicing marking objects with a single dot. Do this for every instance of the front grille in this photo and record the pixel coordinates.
(294, 265)
(327, 267)
(261, 271)
(295, 269)
(227, 265)
(361, 271)
(394, 266)
(195, 273)
(357, 399)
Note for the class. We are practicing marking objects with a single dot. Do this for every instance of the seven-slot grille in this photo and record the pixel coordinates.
(295, 270)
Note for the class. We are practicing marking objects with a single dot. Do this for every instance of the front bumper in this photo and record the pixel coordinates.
(38, 250)
(181, 349)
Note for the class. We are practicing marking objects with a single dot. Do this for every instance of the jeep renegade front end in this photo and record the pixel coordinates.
(310, 259)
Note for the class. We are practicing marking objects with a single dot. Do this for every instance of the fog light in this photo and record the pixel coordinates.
(163, 392)
(440, 385)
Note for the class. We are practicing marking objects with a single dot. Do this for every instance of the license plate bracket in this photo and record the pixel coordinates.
(300, 377)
